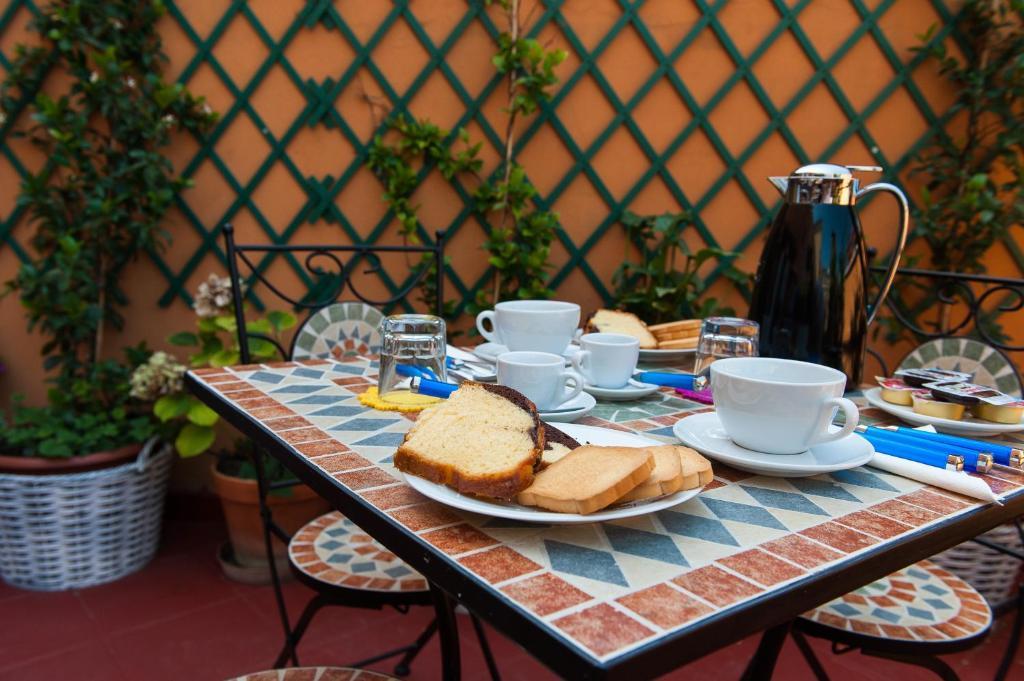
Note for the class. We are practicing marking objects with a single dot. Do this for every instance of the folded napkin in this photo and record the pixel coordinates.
(955, 481)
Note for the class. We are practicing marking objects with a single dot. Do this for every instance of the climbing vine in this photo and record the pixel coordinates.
(520, 234)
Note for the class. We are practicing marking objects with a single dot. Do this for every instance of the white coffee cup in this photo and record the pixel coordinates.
(531, 325)
(779, 406)
(607, 360)
(541, 376)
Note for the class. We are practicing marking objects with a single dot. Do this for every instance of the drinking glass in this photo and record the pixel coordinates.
(722, 337)
(415, 341)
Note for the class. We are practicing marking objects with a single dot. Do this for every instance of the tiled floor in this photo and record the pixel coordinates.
(180, 619)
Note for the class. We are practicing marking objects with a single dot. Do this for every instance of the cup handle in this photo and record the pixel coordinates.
(577, 386)
(489, 335)
(578, 359)
(852, 418)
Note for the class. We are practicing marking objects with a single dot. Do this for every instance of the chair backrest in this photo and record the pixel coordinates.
(334, 265)
(971, 298)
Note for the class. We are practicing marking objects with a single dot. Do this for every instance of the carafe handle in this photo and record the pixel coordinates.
(900, 243)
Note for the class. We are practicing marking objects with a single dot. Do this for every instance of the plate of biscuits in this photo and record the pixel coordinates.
(485, 450)
(659, 343)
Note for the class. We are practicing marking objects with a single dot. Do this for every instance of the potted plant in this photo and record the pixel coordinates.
(94, 207)
(193, 427)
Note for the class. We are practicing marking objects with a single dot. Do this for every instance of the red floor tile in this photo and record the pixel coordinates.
(178, 619)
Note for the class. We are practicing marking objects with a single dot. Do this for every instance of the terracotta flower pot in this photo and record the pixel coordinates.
(39, 465)
(240, 500)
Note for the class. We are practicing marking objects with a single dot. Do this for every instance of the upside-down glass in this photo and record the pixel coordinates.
(722, 337)
(413, 340)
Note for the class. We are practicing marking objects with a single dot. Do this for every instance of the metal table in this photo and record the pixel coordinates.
(624, 600)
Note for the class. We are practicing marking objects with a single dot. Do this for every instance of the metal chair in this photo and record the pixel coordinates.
(319, 551)
(315, 674)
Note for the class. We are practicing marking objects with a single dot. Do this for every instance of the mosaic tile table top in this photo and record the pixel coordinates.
(605, 589)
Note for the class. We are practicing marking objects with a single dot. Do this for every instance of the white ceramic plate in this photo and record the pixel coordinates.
(665, 356)
(583, 435)
(969, 426)
(581, 405)
(704, 432)
(633, 390)
(489, 351)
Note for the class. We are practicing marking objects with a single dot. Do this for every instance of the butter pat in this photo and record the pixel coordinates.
(895, 391)
(1000, 413)
(924, 404)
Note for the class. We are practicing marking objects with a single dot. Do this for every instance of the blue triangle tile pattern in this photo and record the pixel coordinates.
(644, 544)
(584, 562)
(266, 377)
(862, 478)
(743, 513)
(787, 501)
(822, 488)
(697, 527)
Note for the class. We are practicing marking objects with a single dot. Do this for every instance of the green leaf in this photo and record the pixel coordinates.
(224, 358)
(281, 320)
(193, 440)
(183, 338)
(201, 415)
(171, 406)
(258, 326)
(225, 323)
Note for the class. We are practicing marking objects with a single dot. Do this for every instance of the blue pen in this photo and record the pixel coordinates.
(426, 386)
(664, 378)
(409, 371)
(974, 460)
(1002, 454)
(929, 457)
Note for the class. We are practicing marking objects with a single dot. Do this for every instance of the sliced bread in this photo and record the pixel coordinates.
(666, 478)
(556, 445)
(588, 478)
(485, 440)
(617, 321)
(697, 470)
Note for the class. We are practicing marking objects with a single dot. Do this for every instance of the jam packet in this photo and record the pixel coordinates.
(918, 377)
(968, 394)
(895, 391)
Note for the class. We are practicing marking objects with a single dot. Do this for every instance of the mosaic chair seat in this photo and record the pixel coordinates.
(315, 674)
(910, 616)
(331, 555)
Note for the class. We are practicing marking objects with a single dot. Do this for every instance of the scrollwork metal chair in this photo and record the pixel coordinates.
(320, 551)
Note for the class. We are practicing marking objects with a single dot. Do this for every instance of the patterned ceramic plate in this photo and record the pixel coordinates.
(339, 330)
(988, 366)
(584, 435)
(968, 426)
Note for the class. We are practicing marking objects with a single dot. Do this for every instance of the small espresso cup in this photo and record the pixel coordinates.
(779, 406)
(607, 360)
(541, 376)
(531, 325)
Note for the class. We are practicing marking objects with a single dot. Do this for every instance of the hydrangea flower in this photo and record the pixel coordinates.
(161, 375)
(213, 298)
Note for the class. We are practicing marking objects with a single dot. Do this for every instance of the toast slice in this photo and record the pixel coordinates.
(556, 445)
(666, 478)
(617, 321)
(697, 470)
(588, 478)
(484, 440)
(680, 344)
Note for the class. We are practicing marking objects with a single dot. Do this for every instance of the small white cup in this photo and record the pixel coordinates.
(541, 376)
(779, 406)
(531, 325)
(607, 360)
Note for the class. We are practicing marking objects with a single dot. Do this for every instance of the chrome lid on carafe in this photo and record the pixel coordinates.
(826, 183)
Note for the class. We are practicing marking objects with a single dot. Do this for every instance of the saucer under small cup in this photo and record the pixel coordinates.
(570, 410)
(704, 432)
(489, 351)
(634, 390)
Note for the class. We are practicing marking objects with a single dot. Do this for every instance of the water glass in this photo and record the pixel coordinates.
(722, 337)
(418, 341)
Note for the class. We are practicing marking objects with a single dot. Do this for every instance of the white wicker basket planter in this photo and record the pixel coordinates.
(992, 573)
(74, 530)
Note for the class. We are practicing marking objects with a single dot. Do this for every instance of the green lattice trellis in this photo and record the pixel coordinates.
(321, 109)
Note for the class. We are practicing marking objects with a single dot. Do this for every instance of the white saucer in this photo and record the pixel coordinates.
(580, 405)
(490, 351)
(507, 509)
(968, 426)
(633, 390)
(704, 433)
